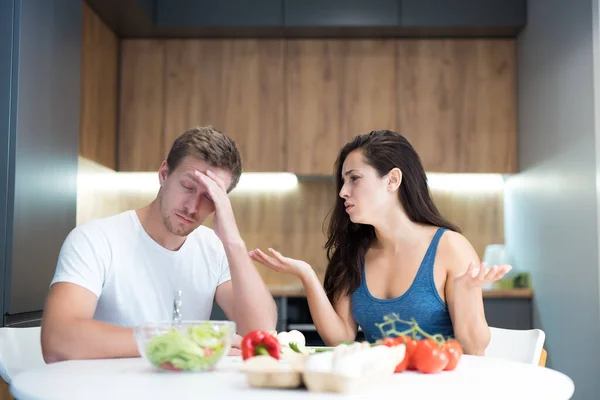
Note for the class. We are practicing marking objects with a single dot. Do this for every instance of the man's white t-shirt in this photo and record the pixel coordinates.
(135, 278)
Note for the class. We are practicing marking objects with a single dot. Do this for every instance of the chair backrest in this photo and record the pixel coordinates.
(20, 349)
(516, 345)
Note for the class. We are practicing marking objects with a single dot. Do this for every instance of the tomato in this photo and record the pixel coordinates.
(411, 345)
(429, 357)
(169, 367)
(389, 342)
(454, 352)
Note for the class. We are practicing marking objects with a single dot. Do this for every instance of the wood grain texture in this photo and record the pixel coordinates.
(289, 222)
(369, 81)
(543, 357)
(99, 71)
(142, 97)
(235, 85)
(291, 104)
(478, 214)
(336, 89)
(508, 293)
(5, 391)
(292, 222)
(313, 88)
(457, 103)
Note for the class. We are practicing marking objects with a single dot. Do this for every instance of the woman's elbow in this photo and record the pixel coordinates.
(476, 343)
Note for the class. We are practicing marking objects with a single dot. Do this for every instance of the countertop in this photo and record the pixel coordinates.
(298, 291)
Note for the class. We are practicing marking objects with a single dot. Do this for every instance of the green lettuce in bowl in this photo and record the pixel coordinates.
(187, 346)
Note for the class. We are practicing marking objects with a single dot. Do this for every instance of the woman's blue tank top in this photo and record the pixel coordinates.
(421, 301)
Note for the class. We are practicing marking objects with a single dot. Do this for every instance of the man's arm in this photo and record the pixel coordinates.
(69, 332)
(245, 299)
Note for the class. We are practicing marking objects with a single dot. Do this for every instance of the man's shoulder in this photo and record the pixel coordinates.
(113, 226)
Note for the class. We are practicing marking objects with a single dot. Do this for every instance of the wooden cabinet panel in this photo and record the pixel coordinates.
(313, 89)
(99, 69)
(336, 89)
(457, 103)
(236, 86)
(291, 104)
(142, 105)
(368, 101)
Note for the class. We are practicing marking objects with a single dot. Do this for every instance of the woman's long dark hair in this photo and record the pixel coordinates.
(347, 242)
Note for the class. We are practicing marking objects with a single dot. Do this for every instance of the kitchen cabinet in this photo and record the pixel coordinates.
(223, 13)
(99, 70)
(291, 104)
(336, 89)
(177, 19)
(457, 103)
(509, 313)
(347, 13)
(142, 97)
(235, 85)
(482, 14)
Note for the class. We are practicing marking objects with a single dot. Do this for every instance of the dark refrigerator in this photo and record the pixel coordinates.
(40, 51)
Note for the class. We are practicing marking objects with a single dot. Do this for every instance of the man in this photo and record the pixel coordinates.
(121, 271)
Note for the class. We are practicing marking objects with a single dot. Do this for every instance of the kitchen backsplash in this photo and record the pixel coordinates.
(292, 221)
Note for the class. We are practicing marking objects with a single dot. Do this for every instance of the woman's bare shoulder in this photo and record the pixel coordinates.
(456, 252)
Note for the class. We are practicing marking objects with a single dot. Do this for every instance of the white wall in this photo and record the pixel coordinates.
(551, 206)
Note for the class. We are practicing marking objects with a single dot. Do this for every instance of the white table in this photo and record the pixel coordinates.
(475, 378)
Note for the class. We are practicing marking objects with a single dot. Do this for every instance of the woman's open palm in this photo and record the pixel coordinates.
(280, 263)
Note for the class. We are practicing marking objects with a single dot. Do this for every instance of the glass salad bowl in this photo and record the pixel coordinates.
(185, 346)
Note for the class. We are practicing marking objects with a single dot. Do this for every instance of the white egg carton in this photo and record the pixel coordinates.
(275, 379)
(330, 382)
(267, 372)
(345, 369)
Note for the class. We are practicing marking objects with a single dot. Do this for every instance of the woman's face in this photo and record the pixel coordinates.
(367, 196)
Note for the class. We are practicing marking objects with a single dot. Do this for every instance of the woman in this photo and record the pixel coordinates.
(390, 251)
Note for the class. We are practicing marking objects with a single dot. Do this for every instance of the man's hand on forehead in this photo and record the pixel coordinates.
(212, 177)
(224, 223)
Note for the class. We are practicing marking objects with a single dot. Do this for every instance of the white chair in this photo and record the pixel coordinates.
(20, 349)
(525, 346)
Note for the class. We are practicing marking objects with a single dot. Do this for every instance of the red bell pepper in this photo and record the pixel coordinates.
(257, 343)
